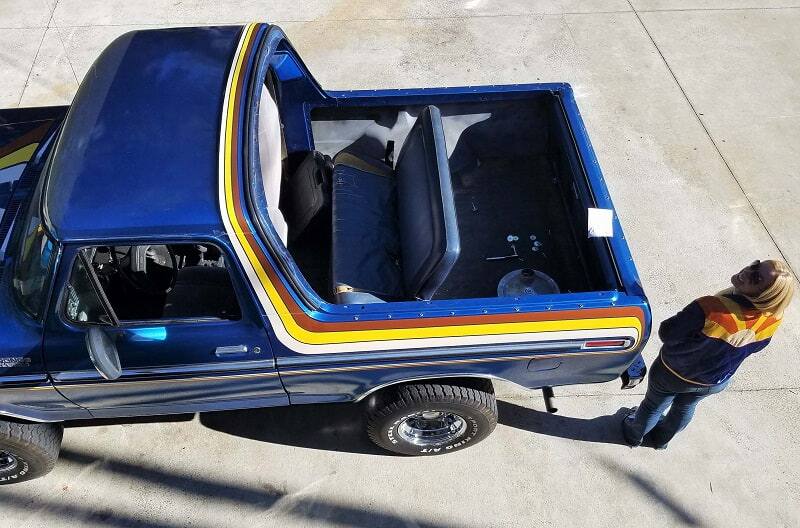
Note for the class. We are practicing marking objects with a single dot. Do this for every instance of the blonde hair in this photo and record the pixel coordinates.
(777, 296)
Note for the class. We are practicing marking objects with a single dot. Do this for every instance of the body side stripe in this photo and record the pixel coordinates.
(348, 368)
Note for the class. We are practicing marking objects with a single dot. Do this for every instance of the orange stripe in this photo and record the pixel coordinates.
(32, 136)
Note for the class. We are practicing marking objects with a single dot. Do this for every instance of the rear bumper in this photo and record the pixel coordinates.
(635, 373)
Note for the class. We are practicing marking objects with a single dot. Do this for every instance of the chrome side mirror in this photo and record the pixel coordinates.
(103, 353)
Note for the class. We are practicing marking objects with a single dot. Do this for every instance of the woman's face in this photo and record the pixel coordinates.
(755, 278)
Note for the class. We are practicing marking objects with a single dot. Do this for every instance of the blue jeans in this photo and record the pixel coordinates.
(664, 389)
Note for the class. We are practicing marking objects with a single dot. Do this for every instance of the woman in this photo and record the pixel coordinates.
(704, 344)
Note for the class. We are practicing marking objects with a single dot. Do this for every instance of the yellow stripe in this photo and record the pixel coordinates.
(338, 337)
(713, 329)
(767, 332)
(21, 155)
(757, 325)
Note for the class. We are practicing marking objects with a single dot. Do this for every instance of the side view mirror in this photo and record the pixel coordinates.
(103, 353)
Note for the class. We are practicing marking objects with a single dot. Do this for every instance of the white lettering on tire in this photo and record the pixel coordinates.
(20, 473)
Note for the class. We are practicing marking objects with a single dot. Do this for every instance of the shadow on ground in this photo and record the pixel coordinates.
(342, 426)
(257, 497)
(97, 422)
(601, 429)
(654, 492)
(329, 426)
(334, 427)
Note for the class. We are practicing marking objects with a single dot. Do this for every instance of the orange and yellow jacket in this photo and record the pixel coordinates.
(708, 340)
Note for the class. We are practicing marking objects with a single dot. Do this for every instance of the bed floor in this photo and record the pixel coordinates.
(512, 197)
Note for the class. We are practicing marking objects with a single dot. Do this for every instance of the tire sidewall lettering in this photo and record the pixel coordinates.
(23, 469)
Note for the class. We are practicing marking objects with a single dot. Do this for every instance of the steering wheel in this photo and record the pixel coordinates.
(135, 273)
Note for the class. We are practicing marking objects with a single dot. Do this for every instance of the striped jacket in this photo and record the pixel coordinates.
(706, 342)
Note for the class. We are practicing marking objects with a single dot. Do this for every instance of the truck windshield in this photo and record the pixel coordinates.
(35, 261)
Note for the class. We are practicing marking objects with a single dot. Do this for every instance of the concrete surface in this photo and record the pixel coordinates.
(693, 109)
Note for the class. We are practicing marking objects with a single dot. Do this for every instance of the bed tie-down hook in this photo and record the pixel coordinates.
(514, 254)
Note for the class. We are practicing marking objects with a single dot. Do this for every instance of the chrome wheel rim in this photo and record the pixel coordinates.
(430, 428)
(8, 462)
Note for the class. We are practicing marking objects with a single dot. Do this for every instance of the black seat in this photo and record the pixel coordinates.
(395, 235)
(201, 291)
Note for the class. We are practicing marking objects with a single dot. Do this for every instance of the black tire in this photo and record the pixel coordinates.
(28, 450)
(474, 410)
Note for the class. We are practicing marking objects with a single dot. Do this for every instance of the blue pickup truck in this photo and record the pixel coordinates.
(205, 229)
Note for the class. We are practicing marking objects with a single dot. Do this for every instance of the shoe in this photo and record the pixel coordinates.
(625, 437)
(652, 443)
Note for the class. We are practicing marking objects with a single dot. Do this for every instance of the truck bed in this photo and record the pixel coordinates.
(514, 173)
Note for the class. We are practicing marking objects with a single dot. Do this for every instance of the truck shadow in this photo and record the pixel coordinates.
(601, 429)
(329, 427)
(161, 418)
(341, 427)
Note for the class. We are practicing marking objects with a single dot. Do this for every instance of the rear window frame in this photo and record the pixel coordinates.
(19, 236)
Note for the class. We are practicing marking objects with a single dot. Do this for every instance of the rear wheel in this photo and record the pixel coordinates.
(433, 419)
(27, 450)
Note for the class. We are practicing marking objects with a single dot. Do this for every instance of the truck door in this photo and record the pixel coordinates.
(178, 318)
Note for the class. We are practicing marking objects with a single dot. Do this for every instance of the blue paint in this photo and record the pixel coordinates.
(137, 161)
(155, 333)
(138, 154)
(285, 67)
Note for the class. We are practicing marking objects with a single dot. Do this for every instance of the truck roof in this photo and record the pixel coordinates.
(138, 155)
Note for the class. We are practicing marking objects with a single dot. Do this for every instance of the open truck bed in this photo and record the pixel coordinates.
(515, 173)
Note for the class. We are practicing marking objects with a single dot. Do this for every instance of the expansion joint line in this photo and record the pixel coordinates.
(713, 142)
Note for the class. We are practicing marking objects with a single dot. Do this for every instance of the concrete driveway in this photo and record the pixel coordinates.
(693, 108)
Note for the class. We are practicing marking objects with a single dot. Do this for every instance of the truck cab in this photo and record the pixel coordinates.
(205, 228)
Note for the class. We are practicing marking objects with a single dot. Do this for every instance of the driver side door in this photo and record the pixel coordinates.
(174, 359)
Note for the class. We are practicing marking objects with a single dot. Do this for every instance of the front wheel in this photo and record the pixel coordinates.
(433, 419)
(27, 450)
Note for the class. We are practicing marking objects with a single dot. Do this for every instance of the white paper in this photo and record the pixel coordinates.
(601, 222)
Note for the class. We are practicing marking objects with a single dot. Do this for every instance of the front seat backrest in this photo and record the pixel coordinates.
(425, 206)
(269, 151)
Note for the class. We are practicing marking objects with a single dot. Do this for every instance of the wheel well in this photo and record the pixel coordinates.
(372, 399)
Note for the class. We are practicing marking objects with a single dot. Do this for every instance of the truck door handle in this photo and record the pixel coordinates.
(233, 350)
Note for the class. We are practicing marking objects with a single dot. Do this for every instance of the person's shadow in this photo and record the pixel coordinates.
(605, 429)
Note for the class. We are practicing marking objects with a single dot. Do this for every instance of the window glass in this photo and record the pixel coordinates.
(82, 304)
(152, 282)
(34, 265)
